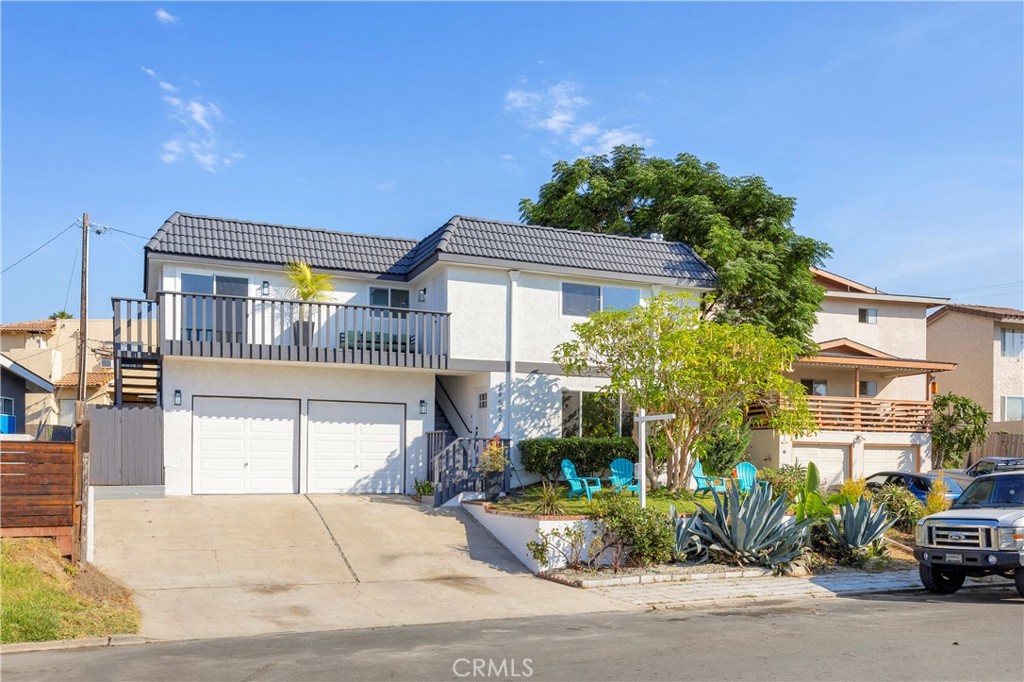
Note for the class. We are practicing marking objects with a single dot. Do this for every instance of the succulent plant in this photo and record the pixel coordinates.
(747, 530)
(858, 526)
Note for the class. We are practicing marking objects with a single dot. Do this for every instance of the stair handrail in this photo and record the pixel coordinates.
(455, 409)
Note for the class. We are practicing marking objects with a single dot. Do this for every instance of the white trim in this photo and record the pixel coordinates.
(891, 298)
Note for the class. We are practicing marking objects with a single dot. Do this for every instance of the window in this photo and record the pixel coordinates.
(868, 389)
(107, 363)
(1013, 408)
(1012, 342)
(579, 300)
(868, 315)
(66, 416)
(594, 415)
(481, 401)
(6, 405)
(210, 319)
(389, 298)
(815, 386)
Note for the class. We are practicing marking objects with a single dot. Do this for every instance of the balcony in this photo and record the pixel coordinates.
(212, 326)
(835, 413)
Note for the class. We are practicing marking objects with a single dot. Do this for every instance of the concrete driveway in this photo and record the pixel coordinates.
(220, 566)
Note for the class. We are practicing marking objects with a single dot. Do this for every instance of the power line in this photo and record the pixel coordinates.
(985, 287)
(114, 229)
(71, 278)
(32, 253)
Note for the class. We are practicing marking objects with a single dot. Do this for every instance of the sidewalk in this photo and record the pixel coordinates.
(702, 593)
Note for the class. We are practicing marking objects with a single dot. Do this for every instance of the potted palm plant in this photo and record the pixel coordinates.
(310, 287)
(492, 466)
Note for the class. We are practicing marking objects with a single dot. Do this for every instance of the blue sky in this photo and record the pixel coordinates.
(899, 128)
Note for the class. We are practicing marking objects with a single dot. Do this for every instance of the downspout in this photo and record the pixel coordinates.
(510, 358)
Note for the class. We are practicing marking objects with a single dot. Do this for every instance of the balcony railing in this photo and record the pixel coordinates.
(203, 325)
(835, 413)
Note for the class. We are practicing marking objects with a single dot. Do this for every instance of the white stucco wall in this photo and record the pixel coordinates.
(900, 329)
(477, 303)
(301, 381)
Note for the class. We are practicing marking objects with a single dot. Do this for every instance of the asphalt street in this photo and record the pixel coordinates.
(974, 635)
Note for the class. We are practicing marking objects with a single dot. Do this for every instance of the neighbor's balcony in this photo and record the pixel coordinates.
(835, 413)
(211, 326)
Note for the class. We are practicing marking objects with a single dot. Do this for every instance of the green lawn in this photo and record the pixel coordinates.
(38, 601)
(658, 500)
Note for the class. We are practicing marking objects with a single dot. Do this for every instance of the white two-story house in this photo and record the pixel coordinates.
(869, 385)
(454, 333)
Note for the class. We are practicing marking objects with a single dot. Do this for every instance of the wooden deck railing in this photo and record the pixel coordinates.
(835, 413)
(202, 325)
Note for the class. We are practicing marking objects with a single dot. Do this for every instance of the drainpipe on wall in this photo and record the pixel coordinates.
(510, 362)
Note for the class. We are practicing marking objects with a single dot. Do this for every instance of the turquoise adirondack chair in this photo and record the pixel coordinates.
(746, 477)
(579, 485)
(707, 483)
(622, 477)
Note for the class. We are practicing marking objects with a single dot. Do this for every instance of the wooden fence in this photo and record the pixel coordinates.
(999, 444)
(126, 445)
(40, 484)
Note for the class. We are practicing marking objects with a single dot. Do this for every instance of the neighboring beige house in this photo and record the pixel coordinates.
(870, 385)
(49, 348)
(987, 344)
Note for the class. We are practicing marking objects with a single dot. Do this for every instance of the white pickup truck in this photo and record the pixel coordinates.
(981, 534)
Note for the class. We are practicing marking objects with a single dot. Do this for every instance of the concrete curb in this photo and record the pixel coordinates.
(83, 643)
(647, 579)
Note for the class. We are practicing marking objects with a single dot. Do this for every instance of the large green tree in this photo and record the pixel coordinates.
(667, 358)
(737, 224)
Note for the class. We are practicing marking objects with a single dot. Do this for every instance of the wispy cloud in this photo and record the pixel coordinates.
(165, 17)
(198, 137)
(558, 110)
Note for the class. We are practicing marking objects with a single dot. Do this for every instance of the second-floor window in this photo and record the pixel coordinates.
(1013, 408)
(205, 318)
(868, 389)
(579, 300)
(389, 298)
(1012, 343)
(6, 405)
(815, 386)
(868, 315)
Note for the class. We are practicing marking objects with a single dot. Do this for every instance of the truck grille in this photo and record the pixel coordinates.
(961, 537)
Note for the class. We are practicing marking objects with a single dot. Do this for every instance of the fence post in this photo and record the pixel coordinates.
(80, 472)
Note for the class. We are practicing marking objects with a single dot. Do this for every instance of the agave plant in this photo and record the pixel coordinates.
(746, 530)
(858, 526)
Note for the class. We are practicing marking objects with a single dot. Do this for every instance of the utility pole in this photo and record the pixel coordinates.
(83, 322)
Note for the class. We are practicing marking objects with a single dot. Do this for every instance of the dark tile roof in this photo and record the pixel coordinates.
(460, 237)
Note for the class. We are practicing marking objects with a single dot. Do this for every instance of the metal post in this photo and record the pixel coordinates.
(641, 436)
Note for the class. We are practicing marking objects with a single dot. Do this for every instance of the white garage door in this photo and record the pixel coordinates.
(830, 459)
(242, 445)
(355, 447)
(889, 458)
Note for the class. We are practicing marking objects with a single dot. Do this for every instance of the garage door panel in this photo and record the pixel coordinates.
(831, 461)
(355, 447)
(243, 445)
(889, 458)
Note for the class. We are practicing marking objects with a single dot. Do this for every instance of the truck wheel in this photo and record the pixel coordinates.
(1018, 581)
(941, 582)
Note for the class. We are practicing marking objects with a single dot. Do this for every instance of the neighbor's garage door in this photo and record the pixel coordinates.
(889, 458)
(832, 461)
(355, 447)
(242, 445)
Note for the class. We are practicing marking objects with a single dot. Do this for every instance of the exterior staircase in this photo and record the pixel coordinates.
(137, 381)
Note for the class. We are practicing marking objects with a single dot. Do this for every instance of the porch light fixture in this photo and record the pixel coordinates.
(423, 407)
(177, 398)
(266, 288)
(421, 295)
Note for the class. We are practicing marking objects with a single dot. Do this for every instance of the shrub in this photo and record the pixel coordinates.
(788, 479)
(549, 502)
(424, 488)
(639, 536)
(724, 448)
(901, 505)
(590, 455)
(745, 530)
(936, 500)
(850, 491)
(573, 543)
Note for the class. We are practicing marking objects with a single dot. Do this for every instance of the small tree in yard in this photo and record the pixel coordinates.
(958, 424)
(663, 356)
